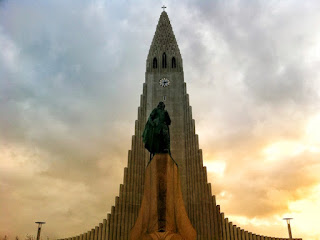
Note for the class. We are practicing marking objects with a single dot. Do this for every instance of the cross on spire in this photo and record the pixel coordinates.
(163, 7)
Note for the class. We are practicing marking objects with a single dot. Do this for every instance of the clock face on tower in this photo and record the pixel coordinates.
(164, 82)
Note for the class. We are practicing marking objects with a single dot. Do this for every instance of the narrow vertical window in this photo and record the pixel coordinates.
(155, 63)
(164, 60)
(164, 98)
(173, 63)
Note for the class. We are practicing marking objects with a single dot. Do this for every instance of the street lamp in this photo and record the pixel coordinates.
(39, 229)
(289, 227)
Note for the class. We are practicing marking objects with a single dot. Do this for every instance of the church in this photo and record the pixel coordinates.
(164, 81)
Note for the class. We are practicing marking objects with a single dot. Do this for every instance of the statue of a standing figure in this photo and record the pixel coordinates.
(162, 214)
(156, 136)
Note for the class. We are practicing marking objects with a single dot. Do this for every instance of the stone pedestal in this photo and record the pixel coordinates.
(162, 214)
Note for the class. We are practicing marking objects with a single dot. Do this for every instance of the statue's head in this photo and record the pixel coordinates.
(161, 105)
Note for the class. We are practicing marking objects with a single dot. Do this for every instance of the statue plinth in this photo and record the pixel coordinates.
(162, 214)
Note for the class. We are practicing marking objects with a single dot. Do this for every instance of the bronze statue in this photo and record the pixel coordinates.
(156, 136)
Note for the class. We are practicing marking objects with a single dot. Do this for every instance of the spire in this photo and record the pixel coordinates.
(164, 41)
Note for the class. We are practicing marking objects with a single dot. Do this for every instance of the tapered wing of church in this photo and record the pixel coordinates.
(164, 81)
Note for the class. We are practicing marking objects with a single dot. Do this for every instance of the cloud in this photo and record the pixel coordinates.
(71, 76)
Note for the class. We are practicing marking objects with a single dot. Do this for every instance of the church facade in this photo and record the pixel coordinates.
(164, 81)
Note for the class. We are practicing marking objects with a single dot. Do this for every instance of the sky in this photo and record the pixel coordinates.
(71, 75)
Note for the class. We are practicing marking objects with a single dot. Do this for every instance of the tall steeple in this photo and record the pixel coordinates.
(164, 42)
(164, 65)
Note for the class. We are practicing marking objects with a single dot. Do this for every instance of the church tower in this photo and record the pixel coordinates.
(164, 81)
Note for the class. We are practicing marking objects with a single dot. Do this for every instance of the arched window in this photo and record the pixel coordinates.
(155, 63)
(173, 63)
(164, 60)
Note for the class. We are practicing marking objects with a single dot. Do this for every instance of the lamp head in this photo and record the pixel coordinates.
(40, 223)
(287, 219)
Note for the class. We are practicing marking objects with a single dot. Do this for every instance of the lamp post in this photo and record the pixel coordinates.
(289, 227)
(39, 229)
